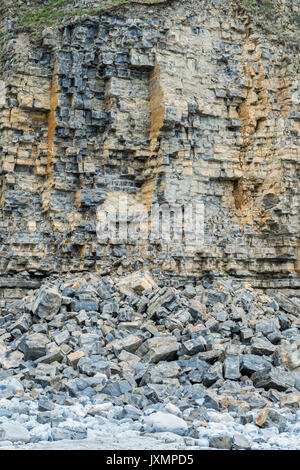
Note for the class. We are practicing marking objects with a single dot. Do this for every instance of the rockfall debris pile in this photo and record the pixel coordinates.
(187, 361)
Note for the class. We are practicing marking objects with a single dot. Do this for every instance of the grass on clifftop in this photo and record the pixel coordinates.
(273, 9)
(34, 18)
(37, 18)
(259, 4)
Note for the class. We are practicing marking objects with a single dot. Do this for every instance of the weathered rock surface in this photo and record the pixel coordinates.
(184, 106)
(194, 103)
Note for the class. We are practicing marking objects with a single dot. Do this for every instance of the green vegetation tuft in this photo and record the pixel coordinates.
(261, 4)
(272, 9)
(34, 18)
(37, 18)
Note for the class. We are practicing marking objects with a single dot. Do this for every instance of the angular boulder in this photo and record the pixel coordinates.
(251, 363)
(160, 348)
(273, 378)
(34, 346)
(47, 303)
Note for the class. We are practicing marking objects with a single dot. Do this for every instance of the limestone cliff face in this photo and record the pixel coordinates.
(167, 104)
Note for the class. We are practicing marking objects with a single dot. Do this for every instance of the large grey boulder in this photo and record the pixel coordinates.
(14, 432)
(288, 305)
(47, 303)
(160, 373)
(193, 346)
(165, 422)
(160, 348)
(129, 344)
(251, 363)
(262, 346)
(34, 346)
(273, 378)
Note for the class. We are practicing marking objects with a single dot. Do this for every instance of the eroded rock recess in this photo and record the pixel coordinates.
(168, 103)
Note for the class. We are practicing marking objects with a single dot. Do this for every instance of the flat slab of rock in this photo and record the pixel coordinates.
(160, 373)
(161, 348)
(251, 363)
(129, 344)
(273, 378)
(288, 305)
(262, 346)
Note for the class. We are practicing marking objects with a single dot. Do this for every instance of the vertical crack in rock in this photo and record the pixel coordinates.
(254, 111)
(153, 165)
(52, 123)
(156, 105)
(297, 262)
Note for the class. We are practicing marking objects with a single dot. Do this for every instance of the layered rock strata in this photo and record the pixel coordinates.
(164, 104)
